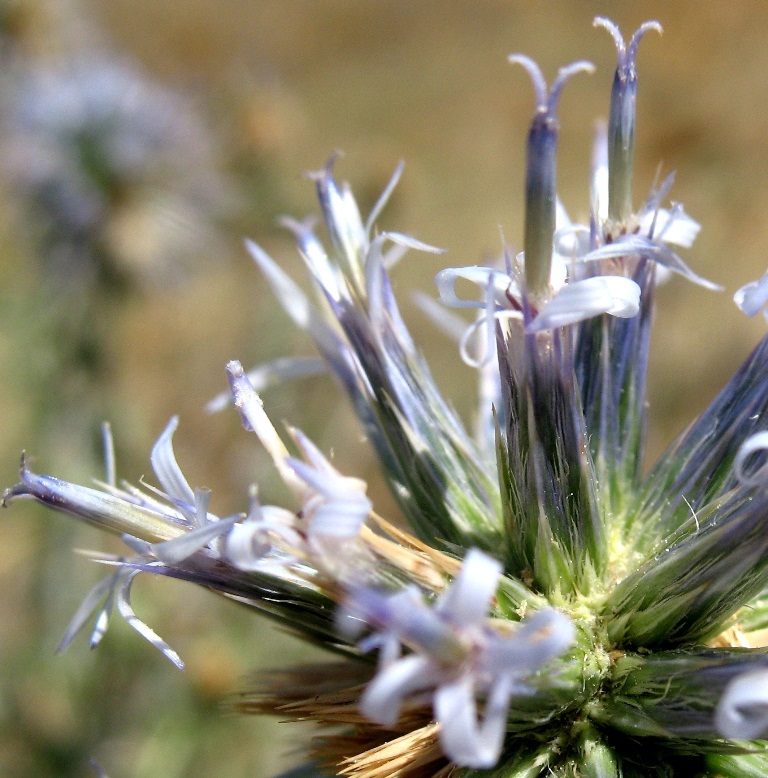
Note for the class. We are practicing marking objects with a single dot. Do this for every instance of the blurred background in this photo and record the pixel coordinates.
(140, 142)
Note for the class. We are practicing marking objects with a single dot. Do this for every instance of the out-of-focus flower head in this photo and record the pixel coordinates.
(117, 175)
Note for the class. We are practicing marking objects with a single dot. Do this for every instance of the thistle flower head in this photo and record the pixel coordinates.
(549, 607)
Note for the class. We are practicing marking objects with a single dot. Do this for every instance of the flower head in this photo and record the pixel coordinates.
(457, 656)
(545, 606)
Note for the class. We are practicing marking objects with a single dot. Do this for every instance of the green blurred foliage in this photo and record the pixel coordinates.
(283, 84)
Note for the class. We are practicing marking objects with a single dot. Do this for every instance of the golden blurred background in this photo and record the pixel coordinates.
(141, 140)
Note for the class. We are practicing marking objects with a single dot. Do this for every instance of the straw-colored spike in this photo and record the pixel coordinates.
(414, 754)
(410, 547)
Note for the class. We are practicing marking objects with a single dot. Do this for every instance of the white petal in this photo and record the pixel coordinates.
(539, 639)
(466, 602)
(753, 297)
(169, 473)
(580, 300)
(451, 324)
(293, 300)
(641, 246)
(406, 615)
(464, 740)
(340, 518)
(172, 552)
(488, 401)
(126, 611)
(752, 445)
(561, 216)
(248, 543)
(482, 276)
(569, 243)
(675, 226)
(327, 482)
(742, 713)
(570, 240)
(383, 697)
(476, 346)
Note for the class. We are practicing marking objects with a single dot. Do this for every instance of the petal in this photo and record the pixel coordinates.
(450, 324)
(540, 638)
(482, 276)
(742, 713)
(465, 741)
(466, 602)
(582, 300)
(249, 543)
(169, 473)
(406, 615)
(383, 697)
(642, 246)
(340, 518)
(327, 482)
(126, 611)
(171, 552)
(753, 297)
(752, 445)
(313, 455)
(569, 243)
(674, 226)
